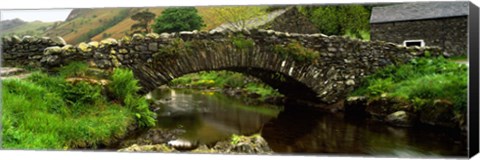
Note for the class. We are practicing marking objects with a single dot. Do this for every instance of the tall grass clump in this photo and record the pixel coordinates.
(124, 87)
(73, 69)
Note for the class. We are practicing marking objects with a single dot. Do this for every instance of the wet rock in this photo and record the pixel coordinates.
(254, 144)
(440, 114)
(383, 106)
(254, 95)
(251, 145)
(356, 104)
(148, 148)
(181, 144)
(154, 136)
(400, 118)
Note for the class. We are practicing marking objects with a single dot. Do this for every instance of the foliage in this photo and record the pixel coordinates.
(74, 69)
(81, 92)
(37, 116)
(226, 79)
(420, 81)
(296, 50)
(123, 83)
(124, 87)
(143, 19)
(235, 139)
(242, 43)
(178, 19)
(174, 48)
(238, 16)
(339, 19)
(47, 112)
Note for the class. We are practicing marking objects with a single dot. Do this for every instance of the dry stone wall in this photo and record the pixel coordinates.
(306, 66)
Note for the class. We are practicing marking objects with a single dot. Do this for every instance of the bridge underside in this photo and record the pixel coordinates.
(284, 84)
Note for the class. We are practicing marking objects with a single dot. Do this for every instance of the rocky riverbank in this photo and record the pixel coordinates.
(254, 144)
(403, 114)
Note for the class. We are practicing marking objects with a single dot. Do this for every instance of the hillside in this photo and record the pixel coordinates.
(88, 23)
(110, 22)
(35, 28)
(8, 24)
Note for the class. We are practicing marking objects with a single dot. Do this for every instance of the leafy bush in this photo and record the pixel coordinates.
(175, 47)
(73, 69)
(124, 88)
(297, 52)
(242, 43)
(123, 83)
(81, 92)
(339, 19)
(178, 19)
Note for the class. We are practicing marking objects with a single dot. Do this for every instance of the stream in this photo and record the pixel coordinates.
(207, 117)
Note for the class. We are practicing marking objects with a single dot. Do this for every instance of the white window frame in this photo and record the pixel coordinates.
(422, 43)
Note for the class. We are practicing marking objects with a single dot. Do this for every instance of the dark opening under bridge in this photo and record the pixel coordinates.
(312, 67)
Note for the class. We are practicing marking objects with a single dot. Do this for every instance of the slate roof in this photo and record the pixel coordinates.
(418, 11)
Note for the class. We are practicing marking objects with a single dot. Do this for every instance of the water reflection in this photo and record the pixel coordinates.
(207, 116)
(306, 130)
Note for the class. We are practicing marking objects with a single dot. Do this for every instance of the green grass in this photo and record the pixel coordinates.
(47, 112)
(74, 69)
(363, 35)
(459, 58)
(225, 79)
(421, 80)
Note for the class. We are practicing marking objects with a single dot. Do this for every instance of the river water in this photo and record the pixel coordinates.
(207, 117)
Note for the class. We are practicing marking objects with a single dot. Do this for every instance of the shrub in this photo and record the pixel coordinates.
(123, 83)
(81, 92)
(297, 52)
(242, 43)
(178, 19)
(73, 69)
(124, 88)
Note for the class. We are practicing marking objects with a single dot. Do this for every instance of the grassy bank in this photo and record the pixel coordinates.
(421, 83)
(226, 79)
(50, 112)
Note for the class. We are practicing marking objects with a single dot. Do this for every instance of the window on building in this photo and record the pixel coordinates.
(410, 43)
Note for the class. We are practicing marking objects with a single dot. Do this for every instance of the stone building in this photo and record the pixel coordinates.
(442, 24)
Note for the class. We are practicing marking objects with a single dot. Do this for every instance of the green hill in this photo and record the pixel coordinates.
(35, 28)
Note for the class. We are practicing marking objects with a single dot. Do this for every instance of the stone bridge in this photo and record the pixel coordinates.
(311, 67)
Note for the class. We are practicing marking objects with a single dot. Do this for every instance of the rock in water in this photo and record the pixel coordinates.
(181, 144)
(400, 118)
